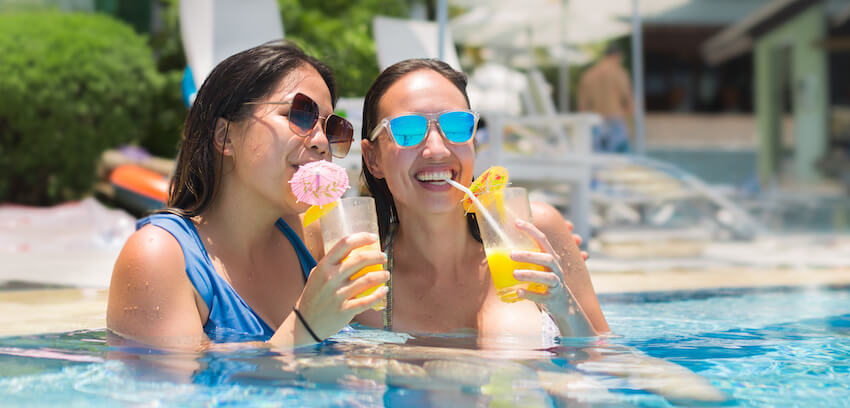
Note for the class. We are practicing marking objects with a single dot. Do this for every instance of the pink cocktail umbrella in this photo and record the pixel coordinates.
(319, 182)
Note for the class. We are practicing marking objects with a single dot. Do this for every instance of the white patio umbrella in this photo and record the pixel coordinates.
(525, 59)
(537, 23)
(535, 26)
(547, 22)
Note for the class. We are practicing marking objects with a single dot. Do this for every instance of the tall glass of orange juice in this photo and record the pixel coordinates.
(349, 216)
(505, 206)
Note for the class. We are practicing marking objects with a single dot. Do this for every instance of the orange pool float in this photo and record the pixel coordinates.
(138, 188)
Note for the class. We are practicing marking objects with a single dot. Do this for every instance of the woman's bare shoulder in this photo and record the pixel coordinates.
(150, 291)
(546, 217)
(151, 249)
(557, 229)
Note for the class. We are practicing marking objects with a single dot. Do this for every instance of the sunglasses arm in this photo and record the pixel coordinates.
(377, 130)
(268, 103)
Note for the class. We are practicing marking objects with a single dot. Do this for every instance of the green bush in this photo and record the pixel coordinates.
(72, 85)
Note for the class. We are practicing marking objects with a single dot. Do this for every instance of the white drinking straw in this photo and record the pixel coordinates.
(483, 211)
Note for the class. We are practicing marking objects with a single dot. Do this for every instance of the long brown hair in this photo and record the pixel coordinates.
(243, 77)
(378, 189)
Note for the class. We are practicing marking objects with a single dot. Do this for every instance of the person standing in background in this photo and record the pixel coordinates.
(605, 89)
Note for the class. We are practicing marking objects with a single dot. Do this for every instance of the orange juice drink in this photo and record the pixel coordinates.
(348, 216)
(502, 269)
(497, 223)
(371, 268)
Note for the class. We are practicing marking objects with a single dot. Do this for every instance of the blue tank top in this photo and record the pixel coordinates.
(231, 319)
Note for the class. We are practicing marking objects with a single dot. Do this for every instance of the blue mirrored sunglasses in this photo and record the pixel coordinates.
(409, 130)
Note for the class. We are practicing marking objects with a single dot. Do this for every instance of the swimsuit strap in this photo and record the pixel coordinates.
(388, 310)
(305, 258)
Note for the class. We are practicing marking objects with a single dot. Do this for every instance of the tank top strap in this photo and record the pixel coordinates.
(304, 256)
(195, 256)
(230, 317)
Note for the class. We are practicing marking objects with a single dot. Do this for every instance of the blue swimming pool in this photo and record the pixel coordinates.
(767, 347)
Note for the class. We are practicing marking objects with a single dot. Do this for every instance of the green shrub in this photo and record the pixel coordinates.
(72, 85)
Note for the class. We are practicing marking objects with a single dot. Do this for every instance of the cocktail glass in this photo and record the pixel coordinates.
(505, 206)
(349, 216)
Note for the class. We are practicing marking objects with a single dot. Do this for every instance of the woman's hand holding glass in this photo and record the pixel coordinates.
(558, 300)
(328, 301)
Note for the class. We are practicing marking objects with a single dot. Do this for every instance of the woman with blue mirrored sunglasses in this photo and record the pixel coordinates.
(409, 130)
(440, 280)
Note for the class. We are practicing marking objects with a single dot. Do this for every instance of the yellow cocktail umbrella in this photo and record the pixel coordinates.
(493, 179)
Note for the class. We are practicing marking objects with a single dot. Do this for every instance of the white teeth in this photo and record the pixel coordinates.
(434, 176)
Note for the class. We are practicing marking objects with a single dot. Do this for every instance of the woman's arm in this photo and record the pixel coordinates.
(576, 277)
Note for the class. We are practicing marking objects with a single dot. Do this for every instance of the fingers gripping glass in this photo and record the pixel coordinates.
(303, 116)
(409, 130)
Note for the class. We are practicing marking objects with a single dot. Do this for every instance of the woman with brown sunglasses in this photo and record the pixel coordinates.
(228, 260)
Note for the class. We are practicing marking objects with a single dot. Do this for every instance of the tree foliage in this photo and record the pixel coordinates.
(339, 32)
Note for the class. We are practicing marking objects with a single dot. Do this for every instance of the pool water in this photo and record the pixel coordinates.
(751, 347)
(770, 347)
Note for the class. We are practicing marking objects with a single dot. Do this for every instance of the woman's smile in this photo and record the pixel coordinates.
(435, 179)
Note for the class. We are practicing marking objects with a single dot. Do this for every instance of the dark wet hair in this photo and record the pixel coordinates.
(378, 189)
(243, 77)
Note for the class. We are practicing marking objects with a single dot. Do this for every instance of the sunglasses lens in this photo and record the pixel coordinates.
(339, 132)
(409, 130)
(303, 114)
(457, 126)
